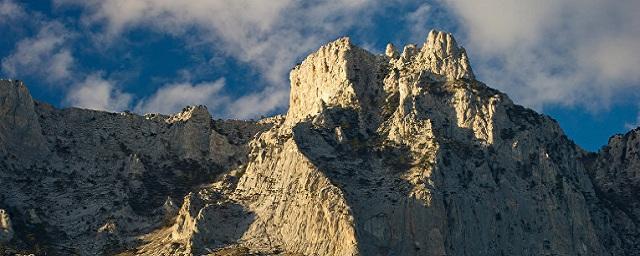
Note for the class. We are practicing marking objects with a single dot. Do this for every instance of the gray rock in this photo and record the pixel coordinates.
(90, 182)
(19, 121)
(377, 155)
(615, 171)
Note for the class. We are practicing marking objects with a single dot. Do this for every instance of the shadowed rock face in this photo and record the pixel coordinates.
(396, 154)
(615, 172)
(87, 182)
(18, 121)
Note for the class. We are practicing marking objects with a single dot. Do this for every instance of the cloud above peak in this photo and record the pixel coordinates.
(46, 55)
(171, 98)
(97, 93)
(269, 36)
(554, 52)
(541, 52)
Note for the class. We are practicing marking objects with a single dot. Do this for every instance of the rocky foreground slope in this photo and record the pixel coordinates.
(396, 154)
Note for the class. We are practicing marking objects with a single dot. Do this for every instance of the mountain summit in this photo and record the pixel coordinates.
(394, 154)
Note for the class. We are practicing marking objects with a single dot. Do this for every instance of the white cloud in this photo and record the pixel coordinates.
(45, 55)
(262, 103)
(417, 20)
(99, 94)
(494, 25)
(268, 35)
(566, 52)
(10, 11)
(172, 98)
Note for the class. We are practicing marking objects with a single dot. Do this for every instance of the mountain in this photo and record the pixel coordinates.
(395, 154)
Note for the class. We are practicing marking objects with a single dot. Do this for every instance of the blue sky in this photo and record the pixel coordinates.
(575, 60)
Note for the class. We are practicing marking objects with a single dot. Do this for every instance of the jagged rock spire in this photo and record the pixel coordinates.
(445, 57)
(342, 74)
(403, 155)
(441, 43)
(18, 119)
(390, 51)
(199, 113)
(338, 74)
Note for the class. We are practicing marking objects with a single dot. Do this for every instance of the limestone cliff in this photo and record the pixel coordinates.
(615, 172)
(75, 181)
(395, 154)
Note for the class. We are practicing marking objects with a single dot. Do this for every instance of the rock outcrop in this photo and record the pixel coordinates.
(18, 121)
(6, 229)
(395, 154)
(86, 182)
(615, 172)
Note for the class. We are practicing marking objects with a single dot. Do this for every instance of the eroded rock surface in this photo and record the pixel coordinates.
(86, 182)
(615, 172)
(395, 154)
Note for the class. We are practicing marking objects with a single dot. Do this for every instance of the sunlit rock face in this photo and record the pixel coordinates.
(407, 154)
(397, 154)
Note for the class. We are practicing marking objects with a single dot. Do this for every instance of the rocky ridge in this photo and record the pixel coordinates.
(395, 154)
(77, 181)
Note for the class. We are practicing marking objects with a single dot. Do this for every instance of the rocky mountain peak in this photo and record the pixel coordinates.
(18, 119)
(198, 113)
(616, 172)
(443, 58)
(441, 44)
(340, 74)
(379, 154)
(337, 74)
(390, 51)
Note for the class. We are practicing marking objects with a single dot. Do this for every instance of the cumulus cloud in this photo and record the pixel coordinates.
(171, 98)
(541, 52)
(10, 11)
(45, 55)
(562, 52)
(257, 104)
(417, 20)
(99, 94)
(268, 35)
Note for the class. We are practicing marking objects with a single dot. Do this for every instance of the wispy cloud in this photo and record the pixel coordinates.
(171, 98)
(566, 52)
(267, 35)
(45, 55)
(417, 22)
(95, 92)
(10, 11)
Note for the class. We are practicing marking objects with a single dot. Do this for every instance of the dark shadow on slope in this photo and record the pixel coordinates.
(224, 225)
(175, 180)
(488, 198)
(32, 238)
(554, 169)
(220, 226)
(611, 171)
(99, 185)
(369, 170)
